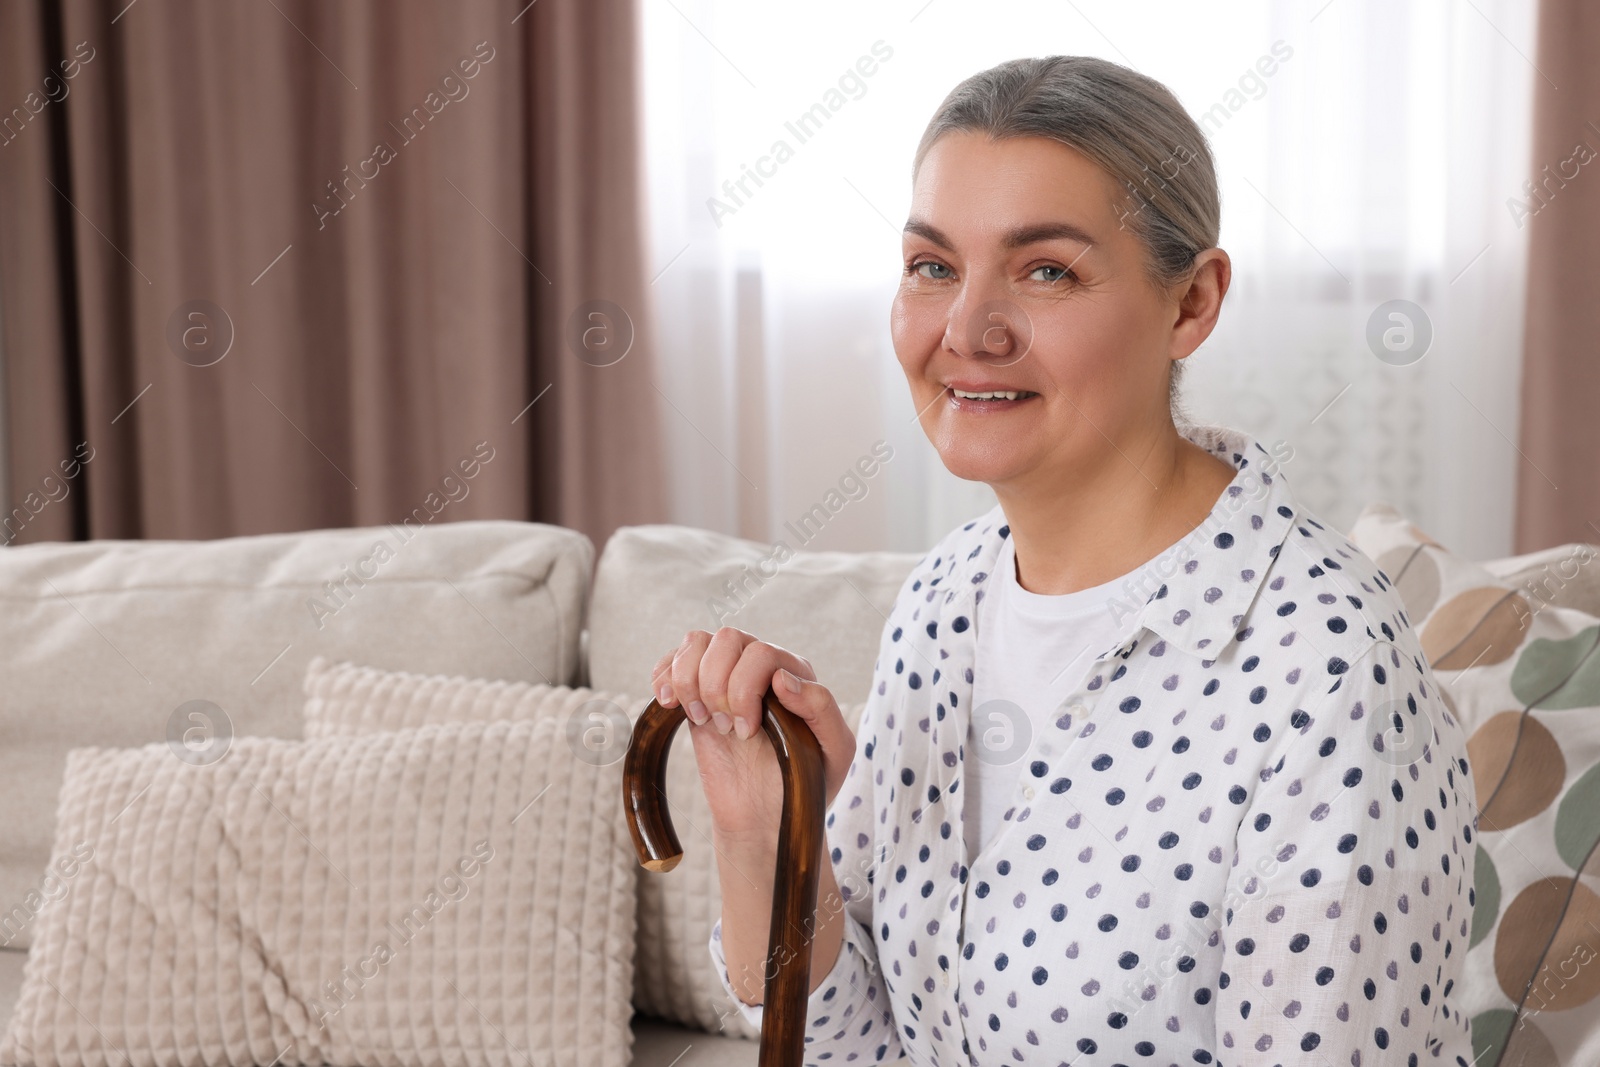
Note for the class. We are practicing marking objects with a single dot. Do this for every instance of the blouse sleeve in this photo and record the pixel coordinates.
(1347, 909)
(844, 1023)
(849, 1017)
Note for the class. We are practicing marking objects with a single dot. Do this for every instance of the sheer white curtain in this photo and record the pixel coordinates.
(1376, 161)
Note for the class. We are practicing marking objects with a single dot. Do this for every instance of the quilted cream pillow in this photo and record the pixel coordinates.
(1523, 677)
(673, 975)
(439, 897)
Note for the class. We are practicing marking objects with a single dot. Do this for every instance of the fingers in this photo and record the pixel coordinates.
(683, 674)
(716, 666)
(722, 678)
(814, 702)
(701, 664)
(751, 678)
(660, 681)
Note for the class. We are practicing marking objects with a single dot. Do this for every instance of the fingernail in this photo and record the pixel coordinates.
(787, 682)
(742, 728)
(697, 712)
(722, 722)
(664, 694)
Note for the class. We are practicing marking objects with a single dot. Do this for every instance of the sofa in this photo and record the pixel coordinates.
(107, 643)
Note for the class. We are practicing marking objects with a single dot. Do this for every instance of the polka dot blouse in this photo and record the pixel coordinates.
(1245, 838)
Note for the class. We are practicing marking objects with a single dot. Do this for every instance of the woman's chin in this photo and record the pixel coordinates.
(980, 464)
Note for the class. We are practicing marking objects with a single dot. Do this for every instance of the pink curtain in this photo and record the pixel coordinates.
(283, 265)
(1558, 494)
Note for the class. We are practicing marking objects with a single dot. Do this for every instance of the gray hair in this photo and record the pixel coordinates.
(1130, 125)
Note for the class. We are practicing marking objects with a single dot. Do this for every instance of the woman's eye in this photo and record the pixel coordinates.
(917, 268)
(1061, 272)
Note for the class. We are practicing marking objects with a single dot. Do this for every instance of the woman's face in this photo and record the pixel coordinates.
(1019, 275)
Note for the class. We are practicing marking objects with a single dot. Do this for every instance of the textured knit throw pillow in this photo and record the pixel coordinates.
(451, 896)
(1523, 678)
(673, 976)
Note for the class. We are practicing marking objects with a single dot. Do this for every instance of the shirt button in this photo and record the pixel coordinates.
(1078, 711)
(947, 979)
(1027, 792)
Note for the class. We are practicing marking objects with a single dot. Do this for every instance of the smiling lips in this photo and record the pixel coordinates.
(987, 399)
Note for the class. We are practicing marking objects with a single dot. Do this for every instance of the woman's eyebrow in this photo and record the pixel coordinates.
(1017, 238)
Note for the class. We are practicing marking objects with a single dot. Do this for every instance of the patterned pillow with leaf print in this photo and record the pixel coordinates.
(1523, 678)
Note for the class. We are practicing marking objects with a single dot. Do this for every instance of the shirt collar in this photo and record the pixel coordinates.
(1195, 593)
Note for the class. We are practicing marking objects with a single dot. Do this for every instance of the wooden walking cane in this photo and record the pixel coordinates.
(800, 840)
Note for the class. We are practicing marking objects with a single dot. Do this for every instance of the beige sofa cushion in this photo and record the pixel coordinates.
(452, 895)
(673, 975)
(102, 643)
(11, 964)
(654, 583)
(1565, 576)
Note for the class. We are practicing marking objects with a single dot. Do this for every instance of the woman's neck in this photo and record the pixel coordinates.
(1082, 528)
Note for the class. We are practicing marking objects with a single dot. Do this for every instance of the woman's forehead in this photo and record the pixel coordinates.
(975, 186)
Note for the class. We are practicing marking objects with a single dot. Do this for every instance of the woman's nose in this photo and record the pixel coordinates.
(988, 325)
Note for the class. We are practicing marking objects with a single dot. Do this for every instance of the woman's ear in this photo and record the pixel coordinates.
(1200, 301)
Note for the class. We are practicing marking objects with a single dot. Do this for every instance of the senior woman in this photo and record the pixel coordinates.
(1152, 769)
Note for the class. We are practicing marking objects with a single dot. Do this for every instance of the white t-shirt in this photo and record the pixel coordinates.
(1033, 649)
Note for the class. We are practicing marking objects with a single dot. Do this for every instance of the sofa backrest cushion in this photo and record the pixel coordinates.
(654, 583)
(1561, 577)
(121, 643)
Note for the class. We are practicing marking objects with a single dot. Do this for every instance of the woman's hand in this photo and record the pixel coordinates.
(720, 680)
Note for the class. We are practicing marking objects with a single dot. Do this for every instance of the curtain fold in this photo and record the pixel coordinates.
(285, 265)
(1558, 489)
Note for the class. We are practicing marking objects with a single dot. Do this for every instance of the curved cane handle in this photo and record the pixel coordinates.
(800, 840)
